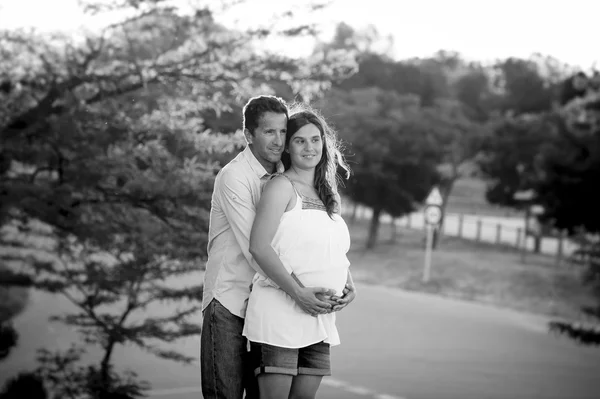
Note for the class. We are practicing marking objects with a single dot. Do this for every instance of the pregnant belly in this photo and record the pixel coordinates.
(334, 278)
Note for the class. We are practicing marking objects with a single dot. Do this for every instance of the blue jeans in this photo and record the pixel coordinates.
(225, 364)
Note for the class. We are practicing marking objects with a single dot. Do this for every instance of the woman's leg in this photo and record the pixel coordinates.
(274, 386)
(313, 364)
(305, 386)
(275, 367)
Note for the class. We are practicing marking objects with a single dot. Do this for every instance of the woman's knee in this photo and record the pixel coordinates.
(305, 387)
(274, 386)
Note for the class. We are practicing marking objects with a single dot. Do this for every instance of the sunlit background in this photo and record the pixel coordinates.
(114, 123)
(479, 30)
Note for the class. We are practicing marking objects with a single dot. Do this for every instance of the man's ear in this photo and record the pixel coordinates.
(248, 136)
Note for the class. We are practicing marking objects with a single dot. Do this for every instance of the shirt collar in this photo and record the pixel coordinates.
(256, 166)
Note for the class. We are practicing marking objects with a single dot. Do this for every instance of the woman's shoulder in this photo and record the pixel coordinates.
(279, 182)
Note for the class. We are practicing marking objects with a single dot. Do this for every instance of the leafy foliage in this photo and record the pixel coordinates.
(24, 385)
(8, 339)
(568, 189)
(108, 161)
(524, 88)
(13, 300)
(511, 154)
(407, 128)
(568, 192)
(392, 157)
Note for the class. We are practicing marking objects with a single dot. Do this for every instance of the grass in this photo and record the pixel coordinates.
(468, 197)
(469, 270)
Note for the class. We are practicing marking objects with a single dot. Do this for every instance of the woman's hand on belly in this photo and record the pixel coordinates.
(349, 293)
(328, 299)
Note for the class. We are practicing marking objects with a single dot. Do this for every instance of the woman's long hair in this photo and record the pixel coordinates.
(326, 172)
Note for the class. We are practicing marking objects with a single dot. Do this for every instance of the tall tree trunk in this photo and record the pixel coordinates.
(437, 233)
(373, 229)
(394, 230)
(105, 382)
(354, 211)
(537, 244)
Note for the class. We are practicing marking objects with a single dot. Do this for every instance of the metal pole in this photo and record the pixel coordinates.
(428, 250)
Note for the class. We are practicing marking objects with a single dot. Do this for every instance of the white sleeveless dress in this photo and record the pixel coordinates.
(314, 247)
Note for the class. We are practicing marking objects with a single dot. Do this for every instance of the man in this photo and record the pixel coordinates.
(230, 268)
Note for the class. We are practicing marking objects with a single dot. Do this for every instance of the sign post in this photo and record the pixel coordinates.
(433, 216)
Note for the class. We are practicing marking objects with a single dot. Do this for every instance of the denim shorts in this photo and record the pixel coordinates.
(310, 360)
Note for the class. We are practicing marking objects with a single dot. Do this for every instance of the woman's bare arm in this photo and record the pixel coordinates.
(274, 200)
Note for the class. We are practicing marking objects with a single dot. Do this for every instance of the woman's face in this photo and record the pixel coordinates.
(306, 147)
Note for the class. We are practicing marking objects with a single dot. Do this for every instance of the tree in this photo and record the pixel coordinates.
(107, 166)
(14, 296)
(8, 339)
(473, 90)
(568, 191)
(457, 140)
(567, 188)
(524, 89)
(13, 300)
(392, 157)
(510, 155)
(24, 385)
(423, 79)
(431, 83)
(359, 41)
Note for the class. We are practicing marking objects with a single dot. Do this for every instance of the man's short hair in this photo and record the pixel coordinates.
(257, 106)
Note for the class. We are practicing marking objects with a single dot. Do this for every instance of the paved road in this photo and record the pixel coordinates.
(394, 345)
(415, 346)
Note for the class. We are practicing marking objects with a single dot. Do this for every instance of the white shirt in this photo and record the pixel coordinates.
(314, 247)
(236, 192)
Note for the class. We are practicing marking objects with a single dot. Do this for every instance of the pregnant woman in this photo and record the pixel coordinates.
(298, 233)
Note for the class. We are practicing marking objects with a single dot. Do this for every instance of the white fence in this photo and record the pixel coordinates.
(491, 229)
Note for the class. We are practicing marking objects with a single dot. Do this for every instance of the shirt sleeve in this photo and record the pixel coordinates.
(235, 196)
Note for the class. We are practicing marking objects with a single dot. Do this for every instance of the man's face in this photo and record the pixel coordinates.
(268, 140)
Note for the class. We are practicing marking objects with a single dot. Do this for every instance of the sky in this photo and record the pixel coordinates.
(478, 29)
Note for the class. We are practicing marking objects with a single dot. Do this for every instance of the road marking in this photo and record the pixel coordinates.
(357, 390)
(386, 396)
(174, 391)
(331, 382)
